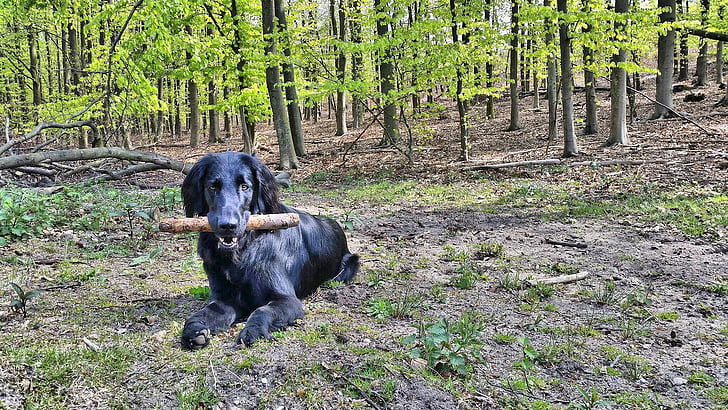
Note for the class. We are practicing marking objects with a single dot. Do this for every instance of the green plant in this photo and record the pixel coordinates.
(198, 396)
(487, 250)
(606, 294)
(23, 297)
(23, 213)
(146, 257)
(450, 254)
(503, 339)
(511, 282)
(131, 211)
(668, 316)
(466, 275)
(589, 399)
(538, 292)
(699, 377)
(448, 347)
(201, 292)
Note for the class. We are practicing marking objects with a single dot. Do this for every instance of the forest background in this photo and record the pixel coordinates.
(174, 68)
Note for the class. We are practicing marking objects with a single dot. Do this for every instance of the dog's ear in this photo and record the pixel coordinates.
(266, 194)
(193, 194)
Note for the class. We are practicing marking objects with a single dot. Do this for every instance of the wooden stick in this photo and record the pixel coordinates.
(559, 279)
(255, 222)
(562, 243)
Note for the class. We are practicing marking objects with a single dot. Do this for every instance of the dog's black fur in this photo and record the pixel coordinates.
(258, 275)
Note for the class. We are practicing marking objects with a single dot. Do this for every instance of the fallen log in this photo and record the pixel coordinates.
(255, 222)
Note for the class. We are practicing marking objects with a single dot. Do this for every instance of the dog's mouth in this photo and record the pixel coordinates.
(227, 243)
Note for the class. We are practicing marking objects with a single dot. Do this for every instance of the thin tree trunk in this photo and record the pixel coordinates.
(34, 67)
(357, 64)
(289, 77)
(248, 127)
(489, 105)
(591, 125)
(462, 103)
(570, 148)
(286, 149)
(513, 76)
(682, 6)
(618, 119)
(551, 79)
(386, 76)
(701, 67)
(339, 32)
(665, 66)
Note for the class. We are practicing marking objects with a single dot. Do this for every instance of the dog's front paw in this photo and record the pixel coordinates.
(195, 336)
(250, 334)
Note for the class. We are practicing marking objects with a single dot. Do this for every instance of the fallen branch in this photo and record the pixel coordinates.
(559, 279)
(569, 244)
(605, 163)
(44, 125)
(33, 159)
(513, 164)
(255, 222)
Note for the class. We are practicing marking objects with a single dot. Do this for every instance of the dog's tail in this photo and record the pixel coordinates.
(348, 269)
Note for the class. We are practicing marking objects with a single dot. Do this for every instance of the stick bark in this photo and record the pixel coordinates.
(255, 222)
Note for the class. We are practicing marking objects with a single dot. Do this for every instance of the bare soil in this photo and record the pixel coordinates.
(668, 349)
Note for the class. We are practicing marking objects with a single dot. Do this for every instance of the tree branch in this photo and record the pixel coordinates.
(23, 160)
(43, 125)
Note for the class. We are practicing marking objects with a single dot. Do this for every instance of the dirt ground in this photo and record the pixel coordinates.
(666, 348)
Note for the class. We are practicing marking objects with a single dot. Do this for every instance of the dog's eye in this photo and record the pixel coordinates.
(243, 187)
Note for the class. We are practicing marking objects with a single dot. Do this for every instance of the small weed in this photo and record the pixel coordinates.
(450, 254)
(606, 294)
(201, 292)
(511, 282)
(720, 288)
(379, 308)
(538, 292)
(668, 316)
(199, 396)
(487, 250)
(23, 297)
(147, 257)
(504, 339)
(69, 273)
(637, 298)
(466, 276)
(561, 269)
(589, 399)
(718, 395)
(632, 367)
(448, 347)
(438, 293)
(699, 377)
(636, 400)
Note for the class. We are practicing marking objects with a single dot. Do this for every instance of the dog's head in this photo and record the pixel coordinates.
(228, 187)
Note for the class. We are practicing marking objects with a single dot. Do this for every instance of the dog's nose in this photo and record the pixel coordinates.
(229, 225)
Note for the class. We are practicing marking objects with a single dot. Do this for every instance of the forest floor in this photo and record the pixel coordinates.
(442, 314)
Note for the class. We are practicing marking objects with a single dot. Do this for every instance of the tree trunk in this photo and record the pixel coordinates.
(719, 63)
(462, 103)
(570, 148)
(386, 76)
(247, 126)
(489, 104)
(357, 64)
(34, 67)
(193, 101)
(289, 77)
(513, 71)
(701, 66)
(339, 32)
(591, 125)
(286, 149)
(618, 89)
(665, 66)
(551, 79)
(160, 113)
(682, 6)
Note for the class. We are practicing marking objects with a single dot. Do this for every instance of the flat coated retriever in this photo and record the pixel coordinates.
(258, 275)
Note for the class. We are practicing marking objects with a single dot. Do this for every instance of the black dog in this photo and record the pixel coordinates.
(258, 275)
